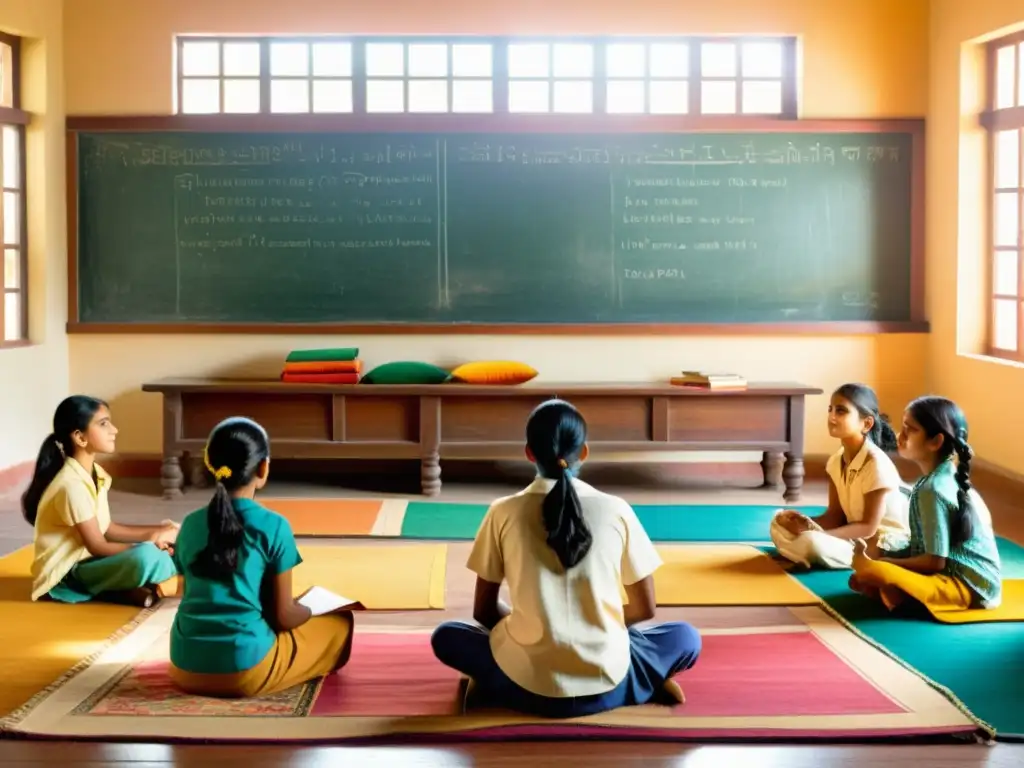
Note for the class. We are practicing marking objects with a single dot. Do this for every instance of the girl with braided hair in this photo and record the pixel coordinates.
(952, 563)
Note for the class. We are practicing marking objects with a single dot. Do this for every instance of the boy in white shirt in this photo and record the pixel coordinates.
(568, 646)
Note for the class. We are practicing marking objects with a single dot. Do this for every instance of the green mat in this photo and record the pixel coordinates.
(663, 522)
(982, 664)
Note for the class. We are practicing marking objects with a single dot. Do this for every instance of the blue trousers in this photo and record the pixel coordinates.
(657, 653)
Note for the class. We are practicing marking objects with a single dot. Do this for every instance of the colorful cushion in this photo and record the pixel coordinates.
(493, 372)
(406, 372)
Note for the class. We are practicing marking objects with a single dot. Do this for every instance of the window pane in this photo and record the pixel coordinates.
(718, 59)
(574, 96)
(1007, 158)
(1020, 75)
(11, 158)
(6, 76)
(289, 59)
(242, 96)
(428, 60)
(472, 60)
(472, 96)
(762, 97)
(242, 59)
(625, 96)
(385, 96)
(428, 95)
(1005, 65)
(762, 59)
(332, 95)
(1004, 324)
(625, 60)
(529, 59)
(669, 97)
(718, 97)
(332, 59)
(289, 96)
(1007, 221)
(12, 269)
(1004, 274)
(528, 96)
(670, 60)
(12, 224)
(200, 59)
(385, 59)
(12, 317)
(573, 60)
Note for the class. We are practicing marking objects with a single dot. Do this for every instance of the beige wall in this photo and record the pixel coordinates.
(990, 392)
(33, 379)
(861, 58)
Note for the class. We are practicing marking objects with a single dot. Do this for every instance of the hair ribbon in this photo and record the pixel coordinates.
(223, 473)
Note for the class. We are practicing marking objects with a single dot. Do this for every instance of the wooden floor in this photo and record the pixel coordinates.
(137, 501)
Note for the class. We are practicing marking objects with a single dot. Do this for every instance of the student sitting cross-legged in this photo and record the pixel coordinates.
(239, 632)
(81, 554)
(568, 646)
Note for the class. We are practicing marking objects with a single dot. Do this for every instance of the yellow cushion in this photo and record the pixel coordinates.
(493, 372)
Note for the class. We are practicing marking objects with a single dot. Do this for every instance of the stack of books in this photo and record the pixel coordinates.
(714, 381)
(323, 366)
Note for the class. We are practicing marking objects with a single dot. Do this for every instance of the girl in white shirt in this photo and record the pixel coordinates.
(864, 496)
(568, 647)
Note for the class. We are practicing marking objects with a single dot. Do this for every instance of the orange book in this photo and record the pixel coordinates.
(326, 366)
(320, 378)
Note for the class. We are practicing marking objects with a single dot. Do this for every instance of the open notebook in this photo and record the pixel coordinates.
(322, 601)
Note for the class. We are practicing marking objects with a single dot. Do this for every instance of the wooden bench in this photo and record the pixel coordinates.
(362, 421)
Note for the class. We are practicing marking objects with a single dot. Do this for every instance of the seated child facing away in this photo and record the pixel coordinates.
(864, 496)
(952, 562)
(80, 553)
(568, 646)
(239, 632)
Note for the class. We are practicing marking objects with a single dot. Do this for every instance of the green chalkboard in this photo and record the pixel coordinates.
(179, 227)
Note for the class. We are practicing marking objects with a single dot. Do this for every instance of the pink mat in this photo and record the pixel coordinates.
(743, 675)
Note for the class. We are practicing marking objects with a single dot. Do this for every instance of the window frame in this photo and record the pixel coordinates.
(17, 118)
(996, 120)
(500, 77)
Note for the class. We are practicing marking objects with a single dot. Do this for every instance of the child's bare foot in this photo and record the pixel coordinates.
(674, 691)
(892, 597)
(858, 586)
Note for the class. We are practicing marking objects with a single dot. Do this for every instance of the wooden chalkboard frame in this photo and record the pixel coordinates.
(312, 123)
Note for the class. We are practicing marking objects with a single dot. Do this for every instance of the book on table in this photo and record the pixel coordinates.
(716, 381)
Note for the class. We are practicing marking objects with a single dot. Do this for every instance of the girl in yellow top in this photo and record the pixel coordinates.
(80, 553)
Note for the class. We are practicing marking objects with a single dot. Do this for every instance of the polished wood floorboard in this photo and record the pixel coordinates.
(137, 501)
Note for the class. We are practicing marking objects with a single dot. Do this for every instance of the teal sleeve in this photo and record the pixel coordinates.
(934, 515)
(284, 553)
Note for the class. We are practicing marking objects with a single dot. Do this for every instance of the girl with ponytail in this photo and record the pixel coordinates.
(865, 498)
(239, 632)
(569, 645)
(80, 553)
(952, 562)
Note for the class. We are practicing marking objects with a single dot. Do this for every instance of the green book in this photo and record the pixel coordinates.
(338, 354)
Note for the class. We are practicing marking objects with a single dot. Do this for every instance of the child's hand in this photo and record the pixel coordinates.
(166, 535)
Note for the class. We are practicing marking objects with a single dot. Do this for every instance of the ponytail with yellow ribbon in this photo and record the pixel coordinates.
(222, 473)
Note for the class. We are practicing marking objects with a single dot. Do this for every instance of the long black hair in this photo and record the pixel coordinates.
(940, 416)
(555, 435)
(234, 452)
(864, 399)
(74, 414)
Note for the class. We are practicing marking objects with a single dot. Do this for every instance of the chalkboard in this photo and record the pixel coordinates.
(188, 227)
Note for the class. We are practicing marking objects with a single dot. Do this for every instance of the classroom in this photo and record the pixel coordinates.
(196, 192)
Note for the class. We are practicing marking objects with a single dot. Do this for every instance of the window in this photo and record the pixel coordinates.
(13, 308)
(1004, 120)
(664, 76)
